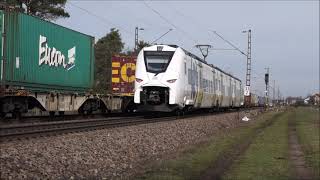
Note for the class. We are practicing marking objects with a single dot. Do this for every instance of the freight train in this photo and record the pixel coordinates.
(51, 68)
(169, 78)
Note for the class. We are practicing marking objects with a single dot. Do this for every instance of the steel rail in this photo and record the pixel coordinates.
(11, 132)
(42, 129)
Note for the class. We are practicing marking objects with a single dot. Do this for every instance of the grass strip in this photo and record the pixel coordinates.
(267, 156)
(193, 163)
(308, 128)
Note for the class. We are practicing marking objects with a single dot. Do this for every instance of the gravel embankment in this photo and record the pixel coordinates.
(108, 153)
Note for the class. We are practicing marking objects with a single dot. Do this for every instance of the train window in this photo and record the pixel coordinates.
(216, 84)
(185, 67)
(157, 62)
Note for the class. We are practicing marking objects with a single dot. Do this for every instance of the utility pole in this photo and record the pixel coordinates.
(136, 38)
(266, 79)
(274, 92)
(247, 92)
(278, 94)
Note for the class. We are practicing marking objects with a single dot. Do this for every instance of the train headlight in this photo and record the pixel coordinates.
(171, 80)
(139, 80)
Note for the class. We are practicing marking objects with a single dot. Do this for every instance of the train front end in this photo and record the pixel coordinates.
(157, 79)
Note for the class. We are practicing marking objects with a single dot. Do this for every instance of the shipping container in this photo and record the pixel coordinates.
(123, 74)
(38, 55)
(44, 66)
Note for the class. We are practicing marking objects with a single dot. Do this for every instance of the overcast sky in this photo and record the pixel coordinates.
(285, 34)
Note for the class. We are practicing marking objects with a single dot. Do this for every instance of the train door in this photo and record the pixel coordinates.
(218, 83)
(193, 80)
(234, 92)
(230, 91)
(241, 94)
(222, 90)
(187, 92)
(207, 97)
(200, 85)
(214, 91)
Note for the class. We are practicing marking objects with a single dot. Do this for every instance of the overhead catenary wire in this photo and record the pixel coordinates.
(102, 19)
(169, 22)
(202, 25)
(235, 47)
(221, 37)
(161, 36)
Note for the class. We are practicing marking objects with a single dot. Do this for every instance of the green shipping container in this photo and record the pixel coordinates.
(41, 56)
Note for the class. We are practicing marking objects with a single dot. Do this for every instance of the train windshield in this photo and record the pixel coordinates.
(157, 61)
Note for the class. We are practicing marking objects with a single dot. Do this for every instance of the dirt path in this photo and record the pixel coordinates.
(226, 159)
(296, 156)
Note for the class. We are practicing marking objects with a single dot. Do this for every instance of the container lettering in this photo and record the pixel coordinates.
(54, 57)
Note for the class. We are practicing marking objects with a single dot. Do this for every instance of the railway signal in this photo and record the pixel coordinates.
(266, 79)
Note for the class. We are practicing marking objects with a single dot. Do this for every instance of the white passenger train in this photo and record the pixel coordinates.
(169, 78)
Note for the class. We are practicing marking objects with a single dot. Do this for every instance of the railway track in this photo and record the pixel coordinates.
(16, 132)
(47, 118)
(29, 130)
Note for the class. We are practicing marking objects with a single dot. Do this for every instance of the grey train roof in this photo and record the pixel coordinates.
(200, 59)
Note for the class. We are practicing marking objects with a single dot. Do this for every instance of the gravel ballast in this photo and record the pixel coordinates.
(107, 153)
